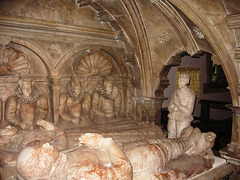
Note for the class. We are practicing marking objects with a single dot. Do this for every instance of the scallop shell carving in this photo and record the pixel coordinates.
(93, 64)
(16, 61)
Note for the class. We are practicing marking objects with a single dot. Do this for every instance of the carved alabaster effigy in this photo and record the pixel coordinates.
(12, 140)
(149, 157)
(23, 109)
(106, 102)
(74, 108)
(99, 157)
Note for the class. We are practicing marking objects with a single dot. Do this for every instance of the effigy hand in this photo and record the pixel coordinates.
(46, 125)
(76, 120)
(8, 131)
(92, 140)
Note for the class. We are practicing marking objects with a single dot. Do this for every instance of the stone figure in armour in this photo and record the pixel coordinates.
(100, 158)
(27, 106)
(75, 106)
(106, 102)
(180, 107)
(12, 140)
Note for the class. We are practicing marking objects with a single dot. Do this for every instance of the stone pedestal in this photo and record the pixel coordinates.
(232, 152)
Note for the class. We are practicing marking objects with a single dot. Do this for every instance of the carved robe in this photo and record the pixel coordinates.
(106, 108)
(25, 111)
(75, 110)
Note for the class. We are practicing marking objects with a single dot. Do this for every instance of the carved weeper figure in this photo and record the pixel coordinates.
(75, 106)
(101, 158)
(27, 106)
(107, 102)
(180, 107)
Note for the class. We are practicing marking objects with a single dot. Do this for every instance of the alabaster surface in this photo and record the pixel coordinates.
(99, 157)
(133, 152)
(97, 72)
(180, 107)
(93, 134)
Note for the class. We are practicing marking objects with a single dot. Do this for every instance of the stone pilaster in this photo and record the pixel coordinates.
(55, 89)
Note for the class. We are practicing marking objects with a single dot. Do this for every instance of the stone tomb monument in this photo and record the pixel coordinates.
(81, 122)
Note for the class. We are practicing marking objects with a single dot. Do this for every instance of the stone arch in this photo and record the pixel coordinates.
(119, 59)
(227, 63)
(38, 52)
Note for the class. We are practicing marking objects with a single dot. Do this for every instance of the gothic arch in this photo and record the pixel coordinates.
(227, 63)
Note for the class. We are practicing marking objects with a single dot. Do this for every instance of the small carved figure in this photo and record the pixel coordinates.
(100, 158)
(180, 107)
(26, 106)
(75, 106)
(107, 102)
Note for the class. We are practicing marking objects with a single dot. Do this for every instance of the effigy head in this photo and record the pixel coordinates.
(26, 85)
(36, 162)
(76, 86)
(183, 79)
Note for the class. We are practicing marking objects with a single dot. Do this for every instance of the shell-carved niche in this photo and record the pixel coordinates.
(13, 62)
(93, 64)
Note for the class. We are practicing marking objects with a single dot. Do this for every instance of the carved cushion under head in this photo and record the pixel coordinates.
(204, 144)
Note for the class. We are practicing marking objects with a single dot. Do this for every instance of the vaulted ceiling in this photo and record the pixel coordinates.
(154, 33)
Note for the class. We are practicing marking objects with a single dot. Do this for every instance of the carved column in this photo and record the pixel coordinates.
(150, 106)
(232, 153)
(1, 110)
(129, 98)
(55, 90)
